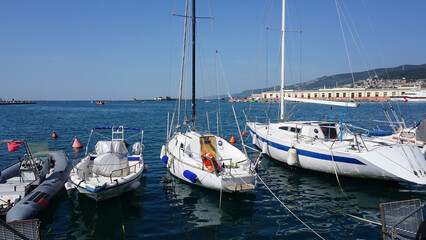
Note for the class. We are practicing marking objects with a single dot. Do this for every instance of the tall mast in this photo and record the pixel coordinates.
(193, 63)
(282, 105)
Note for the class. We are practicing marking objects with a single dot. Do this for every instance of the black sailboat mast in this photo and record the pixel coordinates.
(193, 63)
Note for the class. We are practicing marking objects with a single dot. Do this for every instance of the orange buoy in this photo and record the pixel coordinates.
(244, 134)
(77, 143)
(232, 140)
(54, 135)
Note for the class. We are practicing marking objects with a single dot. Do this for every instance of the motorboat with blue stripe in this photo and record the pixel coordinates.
(110, 170)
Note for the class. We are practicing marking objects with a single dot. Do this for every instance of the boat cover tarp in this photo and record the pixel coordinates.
(111, 147)
(421, 131)
(111, 159)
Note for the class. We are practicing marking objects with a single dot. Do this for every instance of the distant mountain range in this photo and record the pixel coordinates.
(410, 72)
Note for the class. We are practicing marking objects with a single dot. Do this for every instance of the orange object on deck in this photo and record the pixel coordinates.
(54, 135)
(232, 140)
(208, 158)
(244, 134)
(77, 143)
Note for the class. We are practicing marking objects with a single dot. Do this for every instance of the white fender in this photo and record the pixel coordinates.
(264, 147)
(163, 151)
(253, 138)
(292, 156)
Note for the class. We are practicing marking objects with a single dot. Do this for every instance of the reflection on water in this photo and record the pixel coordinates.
(103, 220)
(199, 207)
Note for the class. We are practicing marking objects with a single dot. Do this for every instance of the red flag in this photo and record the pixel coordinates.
(13, 146)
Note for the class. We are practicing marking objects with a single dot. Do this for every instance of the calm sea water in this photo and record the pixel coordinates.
(167, 208)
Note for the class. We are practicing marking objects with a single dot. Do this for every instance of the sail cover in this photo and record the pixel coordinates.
(111, 159)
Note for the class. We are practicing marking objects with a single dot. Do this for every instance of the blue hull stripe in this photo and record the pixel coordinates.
(311, 154)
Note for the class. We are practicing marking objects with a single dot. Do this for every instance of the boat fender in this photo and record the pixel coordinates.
(134, 185)
(190, 176)
(253, 138)
(292, 156)
(163, 151)
(137, 148)
(145, 167)
(165, 159)
(264, 147)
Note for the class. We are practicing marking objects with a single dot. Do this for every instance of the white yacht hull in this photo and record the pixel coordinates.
(396, 162)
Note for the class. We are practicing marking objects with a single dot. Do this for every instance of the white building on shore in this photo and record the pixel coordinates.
(348, 94)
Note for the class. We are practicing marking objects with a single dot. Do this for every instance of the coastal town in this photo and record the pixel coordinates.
(369, 90)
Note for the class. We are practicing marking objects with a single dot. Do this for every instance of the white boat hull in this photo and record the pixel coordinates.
(386, 162)
(101, 188)
(232, 178)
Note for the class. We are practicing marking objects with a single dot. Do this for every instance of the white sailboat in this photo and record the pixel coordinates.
(203, 158)
(330, 147)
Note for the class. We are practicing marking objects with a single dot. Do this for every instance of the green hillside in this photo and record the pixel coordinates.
(409, 75)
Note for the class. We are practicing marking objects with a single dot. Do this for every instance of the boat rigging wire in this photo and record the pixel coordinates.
(288, 209)
(258, 50)
(375, 38)
(344, 39)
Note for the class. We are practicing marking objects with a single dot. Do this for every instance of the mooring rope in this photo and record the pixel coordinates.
(353, 216)
(285, 206)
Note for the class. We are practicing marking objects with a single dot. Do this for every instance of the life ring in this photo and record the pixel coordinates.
(208, 158)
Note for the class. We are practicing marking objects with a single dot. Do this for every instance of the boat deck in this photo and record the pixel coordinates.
(13, 189)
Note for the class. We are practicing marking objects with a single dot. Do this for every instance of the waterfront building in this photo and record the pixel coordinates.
(349, 94)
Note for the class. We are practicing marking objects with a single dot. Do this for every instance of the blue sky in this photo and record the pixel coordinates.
(84, 50)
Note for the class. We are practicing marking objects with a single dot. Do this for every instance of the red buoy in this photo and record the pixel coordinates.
(232, 140)
(54, 135)
(244, 134)
(77, 143)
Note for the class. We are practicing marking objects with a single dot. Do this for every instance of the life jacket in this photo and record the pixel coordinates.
(208, 158)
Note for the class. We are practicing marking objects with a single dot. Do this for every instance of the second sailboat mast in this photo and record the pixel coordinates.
(193, 63)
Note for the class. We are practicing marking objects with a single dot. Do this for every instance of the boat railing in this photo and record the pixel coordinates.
(122, 170)
(83, 172)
